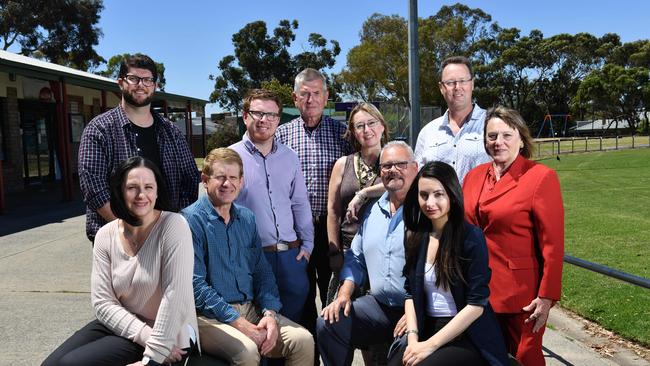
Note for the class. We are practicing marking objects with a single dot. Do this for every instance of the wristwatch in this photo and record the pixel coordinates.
(272, 314)
(146, 360)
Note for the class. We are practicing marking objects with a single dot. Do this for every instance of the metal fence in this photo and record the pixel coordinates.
(607, 271)
(556, 146)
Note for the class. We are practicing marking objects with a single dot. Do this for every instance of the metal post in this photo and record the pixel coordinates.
(414, 72)
(617, 142)
(573, 139)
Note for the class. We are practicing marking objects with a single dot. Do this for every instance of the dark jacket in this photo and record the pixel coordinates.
(484, 332)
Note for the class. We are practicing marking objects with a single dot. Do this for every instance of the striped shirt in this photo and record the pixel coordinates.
(317, 150)
(274, 189)
(110, 139)
(465, 151)
(146, 298)
(229, 266)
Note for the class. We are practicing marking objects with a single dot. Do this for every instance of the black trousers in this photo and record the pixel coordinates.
(319, 274)
(96, 345)
(460, 351)
(369, 323)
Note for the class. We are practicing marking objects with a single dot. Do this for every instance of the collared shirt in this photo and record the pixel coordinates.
(274, 189)
(229, 266)
(378, 248)
(318, 150)
(109, 139)
(466, 150)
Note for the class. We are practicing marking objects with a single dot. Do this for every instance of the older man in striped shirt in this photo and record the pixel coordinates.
(237, 299)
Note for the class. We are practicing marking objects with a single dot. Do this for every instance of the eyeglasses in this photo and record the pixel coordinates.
(270, 116)
(452, 83)
(369, 124)
(400, 165)
(222, 178)
(135, 80)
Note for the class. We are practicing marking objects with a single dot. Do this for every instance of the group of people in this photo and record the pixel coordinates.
(453, 252)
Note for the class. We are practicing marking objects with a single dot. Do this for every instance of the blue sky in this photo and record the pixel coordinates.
(190, 37)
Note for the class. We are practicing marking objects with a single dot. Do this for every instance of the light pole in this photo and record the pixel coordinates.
(414, 72)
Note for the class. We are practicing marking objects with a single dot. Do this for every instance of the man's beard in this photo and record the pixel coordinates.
(128, 97)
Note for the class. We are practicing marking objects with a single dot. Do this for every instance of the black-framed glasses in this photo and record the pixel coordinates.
(135, 80)
(363, 125)
(452, 83)
(270, 116)
(399, 165)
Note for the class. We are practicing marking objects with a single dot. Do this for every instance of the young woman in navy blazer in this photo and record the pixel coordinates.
(449, 318)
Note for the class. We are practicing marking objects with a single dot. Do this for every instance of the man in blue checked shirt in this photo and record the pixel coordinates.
(236, 296)
(133, 129)
(318, 141)
(378, 249)
(456, 137)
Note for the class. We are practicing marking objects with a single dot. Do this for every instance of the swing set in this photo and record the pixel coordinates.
(548, 120)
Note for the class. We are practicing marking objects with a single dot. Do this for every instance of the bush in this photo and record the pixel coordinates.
(225, 136)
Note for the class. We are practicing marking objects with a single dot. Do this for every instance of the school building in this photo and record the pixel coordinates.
(44, 108)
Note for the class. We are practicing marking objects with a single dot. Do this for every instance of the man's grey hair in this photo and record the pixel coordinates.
(398, 143)
(309, 74)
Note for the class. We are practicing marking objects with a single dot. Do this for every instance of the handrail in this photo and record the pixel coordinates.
(604, 270)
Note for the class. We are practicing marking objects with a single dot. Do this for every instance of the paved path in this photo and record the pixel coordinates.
(45, 284)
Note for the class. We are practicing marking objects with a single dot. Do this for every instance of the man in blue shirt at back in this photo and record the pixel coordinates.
(378, 248)
(236, 296)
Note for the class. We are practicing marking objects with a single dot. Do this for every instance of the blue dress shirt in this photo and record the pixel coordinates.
(378, 248)
(274, 189)
(229, 266)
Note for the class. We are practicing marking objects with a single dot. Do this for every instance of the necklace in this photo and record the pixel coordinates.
(137, 240)
(366, 175)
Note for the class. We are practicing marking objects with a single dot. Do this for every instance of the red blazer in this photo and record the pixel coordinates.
(523, 222)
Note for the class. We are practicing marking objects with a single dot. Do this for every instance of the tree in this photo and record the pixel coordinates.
(615, 92)
(284, 91)
(113, 69)
(377, 69)
(260, 57)
(60, 31)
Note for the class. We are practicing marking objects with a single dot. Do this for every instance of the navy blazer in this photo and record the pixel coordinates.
(484, 332)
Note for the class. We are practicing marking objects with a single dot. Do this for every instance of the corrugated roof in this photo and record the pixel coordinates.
(16, 63)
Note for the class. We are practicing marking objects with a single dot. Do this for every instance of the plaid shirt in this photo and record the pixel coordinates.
(318, 150)
(110, 139)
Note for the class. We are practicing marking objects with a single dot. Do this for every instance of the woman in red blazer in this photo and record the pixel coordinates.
(518, 204)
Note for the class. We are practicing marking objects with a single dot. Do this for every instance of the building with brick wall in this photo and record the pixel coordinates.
(44, 108)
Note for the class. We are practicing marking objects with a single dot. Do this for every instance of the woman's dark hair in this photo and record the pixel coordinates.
(117, 180)
(417, 225)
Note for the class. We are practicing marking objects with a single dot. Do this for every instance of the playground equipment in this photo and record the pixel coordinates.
(548, 120)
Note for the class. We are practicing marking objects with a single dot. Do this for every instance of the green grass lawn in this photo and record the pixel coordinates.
(544, 147)
(607, 208)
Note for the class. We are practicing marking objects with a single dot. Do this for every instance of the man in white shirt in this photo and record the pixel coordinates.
(456, 137)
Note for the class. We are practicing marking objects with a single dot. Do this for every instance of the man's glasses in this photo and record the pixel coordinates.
(361, 126)
(135, 80)
(400, 165)
(270, 116)
(222, 178)
(452, 83)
